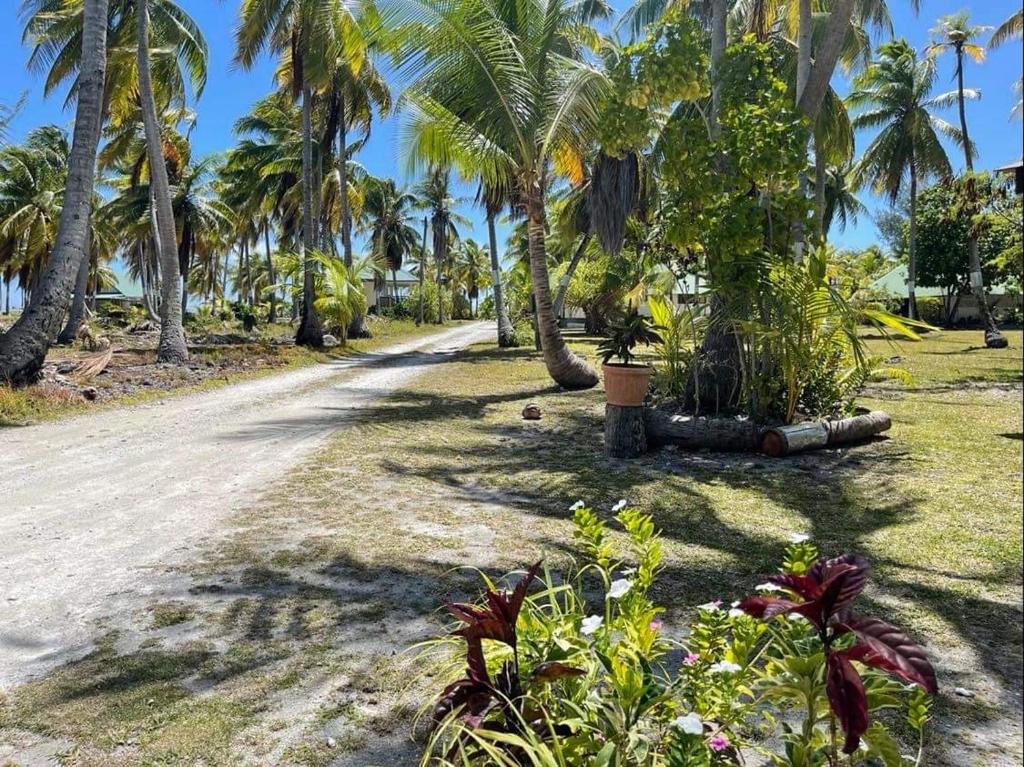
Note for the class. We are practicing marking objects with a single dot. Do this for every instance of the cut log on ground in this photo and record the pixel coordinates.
(624, 433)
(796, 438)
(859, 427)
(698, 432)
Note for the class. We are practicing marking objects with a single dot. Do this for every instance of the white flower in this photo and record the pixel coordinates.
(591, 624)
(629, 571)
(799, 538)
(796, 617)
(768, 587)
(577, 506)
(736, 613)
(620, 505)
(690, 724)
(710, 606)
(619, 588)
(724, 667)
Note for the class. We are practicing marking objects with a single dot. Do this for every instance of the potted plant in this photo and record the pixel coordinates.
(625, 383)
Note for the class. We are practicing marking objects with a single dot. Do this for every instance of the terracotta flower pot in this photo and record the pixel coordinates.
(626, 385)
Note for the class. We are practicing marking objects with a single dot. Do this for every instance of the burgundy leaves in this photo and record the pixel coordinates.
(476, 694)
(497, 619)
(824, 596)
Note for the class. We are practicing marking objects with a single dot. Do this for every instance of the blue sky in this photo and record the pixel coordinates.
(230, 92)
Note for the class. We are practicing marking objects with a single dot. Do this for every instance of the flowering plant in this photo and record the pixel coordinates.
(582, 671)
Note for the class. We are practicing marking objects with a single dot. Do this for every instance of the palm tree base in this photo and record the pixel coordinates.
(995, 340)
(310, 333)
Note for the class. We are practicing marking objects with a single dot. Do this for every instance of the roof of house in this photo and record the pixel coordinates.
(895, 281)
(402, 275)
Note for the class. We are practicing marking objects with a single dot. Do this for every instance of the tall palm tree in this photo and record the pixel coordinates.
(893, 95)
(436, 195)
(23, 348)
(472, 264)
(389, 216)
(494, 199)
(504, 87)
(310, 37)
(955, 33)
(166, 43)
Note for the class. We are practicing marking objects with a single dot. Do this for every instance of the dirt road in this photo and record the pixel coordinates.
(92, 507)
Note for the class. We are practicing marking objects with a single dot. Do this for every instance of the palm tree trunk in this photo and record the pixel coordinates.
(565, 368)
(506, 333)
(310, 331)
(563, 285)
(23, 348)
(272, 316)
(423, 269)
(172, 347)
(819, 192)
(912, 260)
(439, 258)
(70, 331)
(993, 338)
(803, 71)
(824, 65)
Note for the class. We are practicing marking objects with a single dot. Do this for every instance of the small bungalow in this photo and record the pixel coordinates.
(114, 298)
(895, 282)
(380, 295)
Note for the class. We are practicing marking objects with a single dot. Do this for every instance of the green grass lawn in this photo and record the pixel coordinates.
(289, 633)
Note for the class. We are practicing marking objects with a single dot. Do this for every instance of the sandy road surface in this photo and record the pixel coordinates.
(91, 507)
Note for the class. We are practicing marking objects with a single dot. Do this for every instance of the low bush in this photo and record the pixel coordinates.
(931, 310)
(554, 678)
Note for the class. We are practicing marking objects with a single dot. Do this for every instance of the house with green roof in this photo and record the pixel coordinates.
(966, 310)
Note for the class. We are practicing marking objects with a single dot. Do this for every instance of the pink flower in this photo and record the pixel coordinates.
(655, 625)
(718, 743)
(691, 659)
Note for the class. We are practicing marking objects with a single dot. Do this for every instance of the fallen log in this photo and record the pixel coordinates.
(859, 427)
(699, 432)
(811, 435)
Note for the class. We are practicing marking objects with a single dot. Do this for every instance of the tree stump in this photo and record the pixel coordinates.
(625, 435)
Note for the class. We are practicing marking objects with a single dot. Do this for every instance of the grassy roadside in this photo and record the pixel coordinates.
(283, 643)
(19, 407)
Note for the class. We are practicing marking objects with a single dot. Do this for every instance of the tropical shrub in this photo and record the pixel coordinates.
(792, 673)
(430, 301)
(932, 310)
(674, 349)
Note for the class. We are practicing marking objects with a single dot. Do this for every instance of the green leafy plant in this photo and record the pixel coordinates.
(579, 670)
(674, 350)
(624, 335)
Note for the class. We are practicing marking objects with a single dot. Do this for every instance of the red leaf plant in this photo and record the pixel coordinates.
(824, 596)
(476, 694)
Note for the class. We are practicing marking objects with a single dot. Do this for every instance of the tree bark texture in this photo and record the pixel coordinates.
(625, 435)
(171, 347)
(568, 370)
(310, 331)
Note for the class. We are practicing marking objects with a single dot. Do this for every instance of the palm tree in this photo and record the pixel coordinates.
(436, 196)
(494, 200)
(956, 33)
(840, 201)
(1011, 29)
(32, 179)
(472, 264)
(893, 95)
(503, 88)
(23, 348)
(310, 36)
(167, 44)
(388, 214)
